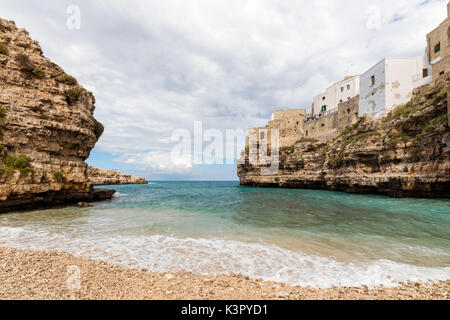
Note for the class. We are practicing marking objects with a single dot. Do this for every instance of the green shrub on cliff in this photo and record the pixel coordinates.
(5, 169)
(2, 113)
(335, 163)
(288, 149)
(99, 128)
(69, 80)
(4, 49)
(73, 94)
(441, 96)
(24, 61)
(17, 163)
(39, 73)
(58, 175)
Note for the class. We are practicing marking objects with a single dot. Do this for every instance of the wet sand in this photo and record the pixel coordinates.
(52, 275)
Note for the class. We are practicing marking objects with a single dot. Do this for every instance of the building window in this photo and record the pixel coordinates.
(342, 89)
(372, 81)
(340, 101)
(437, 48)
(323, 98)
(348, 87)
(425, 73)
(306, 132)
(348, 98)
(324, 108)
(262, 135)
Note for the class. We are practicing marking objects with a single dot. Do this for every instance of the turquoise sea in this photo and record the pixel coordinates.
(300, 237)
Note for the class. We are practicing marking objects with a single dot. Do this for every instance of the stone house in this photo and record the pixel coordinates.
(288, 123)
(438, 48)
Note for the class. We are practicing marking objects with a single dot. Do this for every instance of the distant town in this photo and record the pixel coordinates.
(373, 94)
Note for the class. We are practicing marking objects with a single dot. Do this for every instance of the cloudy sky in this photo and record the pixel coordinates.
(157, 66)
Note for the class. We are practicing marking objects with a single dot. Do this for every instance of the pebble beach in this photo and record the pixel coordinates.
(48, 275)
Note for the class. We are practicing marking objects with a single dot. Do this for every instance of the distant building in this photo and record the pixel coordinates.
(288, 124)
(342, 91)
(438, 48)
(389, 84)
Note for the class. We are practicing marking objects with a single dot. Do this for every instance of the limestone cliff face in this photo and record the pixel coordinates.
(48, 128)
(407, 154)
(100, 177)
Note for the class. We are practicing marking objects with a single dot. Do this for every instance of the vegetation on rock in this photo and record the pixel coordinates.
(288, 149)
(73, 94)
(99, 128)
(13, 163)
(24, 61)
(39, 73)
(4, 49)
(69, 80)
(58, 175)
(2, 113)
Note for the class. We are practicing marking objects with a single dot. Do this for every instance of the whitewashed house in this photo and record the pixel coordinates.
(339, 92)
(389, 84)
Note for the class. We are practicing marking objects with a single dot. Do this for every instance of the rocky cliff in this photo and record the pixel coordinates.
(406, 154)
(47, 128)
(100, 177)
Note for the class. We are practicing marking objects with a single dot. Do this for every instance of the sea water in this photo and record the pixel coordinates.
(299, 237)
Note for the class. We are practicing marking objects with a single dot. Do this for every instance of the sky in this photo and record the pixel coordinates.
(160, 68)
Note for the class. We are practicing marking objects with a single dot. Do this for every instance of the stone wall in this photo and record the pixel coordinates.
(348, 113)
(441, 69)
(322, 129)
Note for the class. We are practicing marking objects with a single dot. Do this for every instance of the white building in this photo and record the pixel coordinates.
(339, 92)
(389, 84)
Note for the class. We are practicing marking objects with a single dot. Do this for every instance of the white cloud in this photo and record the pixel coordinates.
(156, 66)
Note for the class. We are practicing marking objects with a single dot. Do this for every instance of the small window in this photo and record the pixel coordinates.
(442, 73)
(323, 98)
(372, 80)
(323, 125)
(340, 101)
(348, 87)
(306, 132)
(342, 89)
(324, 108)
(262, 135)
(425, 73)
(437, 48)
(348, 98)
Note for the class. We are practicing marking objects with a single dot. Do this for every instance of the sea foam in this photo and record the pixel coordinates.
(216, 256)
